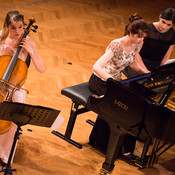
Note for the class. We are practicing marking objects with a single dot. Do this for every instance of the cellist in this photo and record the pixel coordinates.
(10, 38)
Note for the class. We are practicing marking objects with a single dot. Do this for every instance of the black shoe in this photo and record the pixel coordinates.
(3, 164)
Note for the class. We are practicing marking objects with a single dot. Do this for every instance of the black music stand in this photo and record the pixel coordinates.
(22, 114)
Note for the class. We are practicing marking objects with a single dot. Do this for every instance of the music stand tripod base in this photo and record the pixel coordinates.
(22, 114)
(7, 169)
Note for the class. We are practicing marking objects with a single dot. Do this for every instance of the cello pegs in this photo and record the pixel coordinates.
(35, 26)
(33, 30)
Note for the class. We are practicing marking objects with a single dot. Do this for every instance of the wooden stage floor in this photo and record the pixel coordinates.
(72, 35)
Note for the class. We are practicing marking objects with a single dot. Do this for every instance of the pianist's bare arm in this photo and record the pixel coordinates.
(167, 55)
(98, 66)
(138, 65)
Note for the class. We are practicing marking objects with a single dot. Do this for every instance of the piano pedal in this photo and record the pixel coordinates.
(104, 172)
(141, 163)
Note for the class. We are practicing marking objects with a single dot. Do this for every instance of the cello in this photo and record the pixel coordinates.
(13, 74)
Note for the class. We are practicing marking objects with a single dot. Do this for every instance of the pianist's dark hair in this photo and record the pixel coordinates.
(136, 25)
(168, 14)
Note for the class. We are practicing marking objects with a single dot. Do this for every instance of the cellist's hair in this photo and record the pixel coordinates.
(10, 17)
(136, 24)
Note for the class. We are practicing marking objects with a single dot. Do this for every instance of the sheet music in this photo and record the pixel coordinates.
(58, 121)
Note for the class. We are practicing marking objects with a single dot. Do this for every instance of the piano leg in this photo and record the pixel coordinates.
(114, 146)
(142, 161)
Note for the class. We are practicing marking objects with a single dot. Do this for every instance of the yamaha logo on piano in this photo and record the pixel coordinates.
(121, 105)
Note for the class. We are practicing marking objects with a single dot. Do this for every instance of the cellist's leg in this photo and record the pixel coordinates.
(6, 139)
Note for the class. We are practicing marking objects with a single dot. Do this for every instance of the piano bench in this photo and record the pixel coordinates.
(79, 95)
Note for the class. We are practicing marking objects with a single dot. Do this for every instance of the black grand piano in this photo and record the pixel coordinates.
(142, 106)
